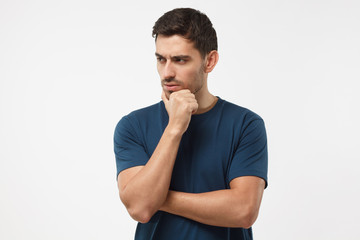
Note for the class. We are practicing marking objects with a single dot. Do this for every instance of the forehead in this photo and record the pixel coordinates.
(175, 45)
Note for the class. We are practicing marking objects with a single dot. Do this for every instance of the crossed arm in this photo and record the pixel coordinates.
(144, 190)
(234, 207)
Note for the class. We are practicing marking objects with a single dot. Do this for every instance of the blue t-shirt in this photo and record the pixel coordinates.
(226, 142)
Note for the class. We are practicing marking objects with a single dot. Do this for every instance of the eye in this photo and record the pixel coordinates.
(180, 60)
(161, 59)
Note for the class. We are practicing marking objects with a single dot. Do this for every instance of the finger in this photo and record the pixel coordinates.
(192, 95)
(194, 108)
(188, 94)
(182, 91)
(185, 93)
(164, 98)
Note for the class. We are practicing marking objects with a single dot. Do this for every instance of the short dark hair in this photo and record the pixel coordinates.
(191, 24)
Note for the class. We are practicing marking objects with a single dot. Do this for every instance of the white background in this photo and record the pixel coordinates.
(69, 70)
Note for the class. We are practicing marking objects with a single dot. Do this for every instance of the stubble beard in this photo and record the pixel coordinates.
(199, 78)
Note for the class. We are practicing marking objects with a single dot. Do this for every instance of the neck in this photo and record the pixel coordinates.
(206, 102)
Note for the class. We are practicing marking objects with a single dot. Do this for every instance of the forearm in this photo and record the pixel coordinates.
(143, 190)
(147, 190)
(223, 208)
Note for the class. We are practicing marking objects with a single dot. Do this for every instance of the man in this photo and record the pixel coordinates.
(192, 166)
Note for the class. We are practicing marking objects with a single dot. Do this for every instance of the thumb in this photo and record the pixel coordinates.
(164, 98)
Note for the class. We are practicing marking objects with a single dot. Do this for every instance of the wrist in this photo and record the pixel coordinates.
(173, 131)
(166, 205)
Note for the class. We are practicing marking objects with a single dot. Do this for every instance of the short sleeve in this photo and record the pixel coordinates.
(129, 151)
(251, 156)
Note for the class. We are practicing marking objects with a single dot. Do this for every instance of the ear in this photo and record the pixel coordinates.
(211, 61)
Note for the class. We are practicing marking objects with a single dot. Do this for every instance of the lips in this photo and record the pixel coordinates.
(172, 87)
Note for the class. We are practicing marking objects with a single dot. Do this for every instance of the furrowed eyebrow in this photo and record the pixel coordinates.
(158, 55)
(185, 57)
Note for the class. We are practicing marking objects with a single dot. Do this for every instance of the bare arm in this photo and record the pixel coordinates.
(143, 189)
(234, 207)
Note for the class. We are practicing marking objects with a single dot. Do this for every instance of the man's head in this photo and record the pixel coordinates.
(186, 49)
(192, 25)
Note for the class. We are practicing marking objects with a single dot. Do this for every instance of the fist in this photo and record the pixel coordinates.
(180, 106)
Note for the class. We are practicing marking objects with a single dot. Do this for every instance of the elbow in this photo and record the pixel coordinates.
(246, 218)
(247, 222)
(136, 211)
(142, 216)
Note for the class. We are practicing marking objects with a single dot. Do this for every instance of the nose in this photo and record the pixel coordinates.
(169, 71)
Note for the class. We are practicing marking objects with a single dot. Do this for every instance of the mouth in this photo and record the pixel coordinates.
(172, 87)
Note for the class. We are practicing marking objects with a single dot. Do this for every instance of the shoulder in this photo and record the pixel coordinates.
(146, 112)
(239, 113)
(138, 117)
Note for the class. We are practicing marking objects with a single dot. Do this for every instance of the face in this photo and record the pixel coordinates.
(179, 65)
